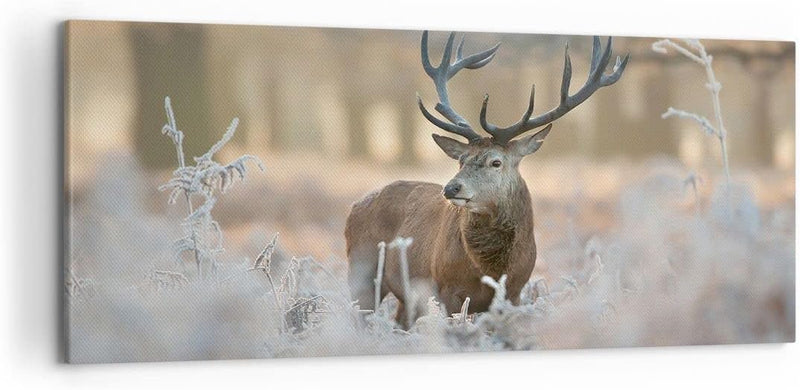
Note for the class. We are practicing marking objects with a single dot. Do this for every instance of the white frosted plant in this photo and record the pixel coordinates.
(695, 51)
(264, 263)
(295, 295)
(379, 275)
(463, 316)
(402, 244)
(203, 235)
(499, 301)
(502, 320)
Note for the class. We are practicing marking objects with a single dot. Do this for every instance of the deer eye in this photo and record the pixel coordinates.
(496, 163)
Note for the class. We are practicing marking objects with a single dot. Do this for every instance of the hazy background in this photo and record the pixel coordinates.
(333, 115)
(334, 111)
(343, 93)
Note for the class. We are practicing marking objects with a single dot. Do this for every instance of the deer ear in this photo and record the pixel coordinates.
(530, 144)
(451, 147)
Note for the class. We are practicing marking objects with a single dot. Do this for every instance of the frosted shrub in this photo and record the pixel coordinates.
(300, 294)
(203, 235)
(507, 325)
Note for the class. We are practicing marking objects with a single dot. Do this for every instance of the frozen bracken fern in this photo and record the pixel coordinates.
(203, 235)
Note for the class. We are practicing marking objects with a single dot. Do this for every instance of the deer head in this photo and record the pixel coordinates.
(488, 166)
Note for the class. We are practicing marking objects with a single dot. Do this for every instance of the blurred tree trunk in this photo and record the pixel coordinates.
(224, 80)
(408, 131)
(349, 62)
(611, 137)
(636, 134)
(761, 136)
(169, 60)
(357, 142)
(658, 136)
(404, 96)
(277, 112)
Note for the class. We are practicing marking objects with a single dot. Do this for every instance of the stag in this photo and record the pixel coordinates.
(481, 221)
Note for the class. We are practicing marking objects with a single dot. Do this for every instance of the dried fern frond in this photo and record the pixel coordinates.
(217, 146)
(264, 259)
(204, 237)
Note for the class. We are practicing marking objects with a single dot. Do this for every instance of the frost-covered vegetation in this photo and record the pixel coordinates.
(203, 234)
(659, 260)
(696, 52)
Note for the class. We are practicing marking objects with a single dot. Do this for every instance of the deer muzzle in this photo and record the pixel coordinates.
(451, 190)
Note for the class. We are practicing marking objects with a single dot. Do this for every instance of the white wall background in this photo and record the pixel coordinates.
(29, 191)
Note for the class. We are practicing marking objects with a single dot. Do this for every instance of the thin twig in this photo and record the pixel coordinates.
(379, 276)
(171, 129)
(264, 263)
(402, 244)
(465, 310)
(701, 120)
(705, 60)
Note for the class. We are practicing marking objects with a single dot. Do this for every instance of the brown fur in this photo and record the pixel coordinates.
(452, 249)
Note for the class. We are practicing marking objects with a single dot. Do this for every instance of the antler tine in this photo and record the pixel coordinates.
(566, 77)
(600, 65)
(619, 67)
(463, 131)
(426, 61)
(498, 132)
(444, 72)
(474, 61)
(595, 54)
(596, 80)
(448, 50)
(460, 49)
(488, 127)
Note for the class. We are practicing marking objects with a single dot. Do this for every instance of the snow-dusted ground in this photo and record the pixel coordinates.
(629, 255)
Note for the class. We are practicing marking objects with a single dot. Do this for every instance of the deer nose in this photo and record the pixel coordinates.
(451, 190)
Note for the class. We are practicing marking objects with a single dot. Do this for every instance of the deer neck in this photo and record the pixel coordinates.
(495, 239)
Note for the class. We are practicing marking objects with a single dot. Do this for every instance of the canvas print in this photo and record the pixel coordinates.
(260, 192)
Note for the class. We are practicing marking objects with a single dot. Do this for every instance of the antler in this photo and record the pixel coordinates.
(597, 79)
(444, 72)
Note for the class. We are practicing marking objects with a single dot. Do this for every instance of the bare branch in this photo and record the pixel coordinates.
(704, 123)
